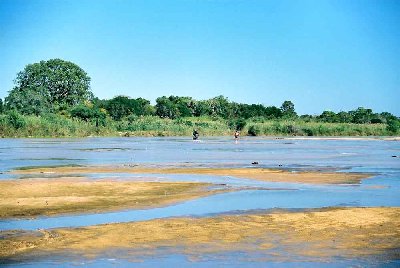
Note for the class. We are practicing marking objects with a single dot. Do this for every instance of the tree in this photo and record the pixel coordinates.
(82, 112)
(87, 114)
(393, 125)
(1, 106)
(273, 112)
(220, 106)
(119, 107)
(175, 107)
(165, 108)
(343, 117)
(29, 101)
(328, 116)
(361, 115)
(141, 106)
(387, 116)
(287, 109)
(54, 82)
(202, 108)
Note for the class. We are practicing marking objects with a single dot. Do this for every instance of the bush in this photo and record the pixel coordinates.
(82, 112)
(376, 121)
(15, 120)
(254, 130)
(237, 124)
(308, 131)
(393, 126)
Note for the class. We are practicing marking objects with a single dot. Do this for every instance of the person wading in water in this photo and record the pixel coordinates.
(195, 135)
(237, 134)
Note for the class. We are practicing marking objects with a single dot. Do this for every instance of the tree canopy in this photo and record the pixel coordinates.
(48, 84)
(122, 106)
(288, 109)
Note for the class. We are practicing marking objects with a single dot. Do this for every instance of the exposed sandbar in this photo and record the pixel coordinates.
(34, 197)
(326, 233)
(262, 174)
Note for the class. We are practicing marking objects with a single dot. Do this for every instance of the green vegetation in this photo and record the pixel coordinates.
(53, 99)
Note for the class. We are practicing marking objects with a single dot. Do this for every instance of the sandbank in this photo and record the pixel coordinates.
(34, 197)
(261, 174)
(281, 235)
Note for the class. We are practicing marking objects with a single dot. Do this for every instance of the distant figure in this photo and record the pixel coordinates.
(195, 135)
(237, 134)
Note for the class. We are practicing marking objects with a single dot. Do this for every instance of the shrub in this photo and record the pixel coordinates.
(254, 130)
(376, 121)
(393, 126)
(16, 120)
(308, 131)
(82, 112)
(237, 124)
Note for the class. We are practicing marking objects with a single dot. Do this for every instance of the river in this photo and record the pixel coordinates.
(381, 158)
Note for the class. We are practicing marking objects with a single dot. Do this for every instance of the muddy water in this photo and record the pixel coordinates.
(372, 156)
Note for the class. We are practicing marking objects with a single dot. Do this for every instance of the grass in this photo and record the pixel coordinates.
(301, 128)
(61, 126)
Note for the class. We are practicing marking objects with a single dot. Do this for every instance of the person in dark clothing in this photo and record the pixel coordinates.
(195, 135)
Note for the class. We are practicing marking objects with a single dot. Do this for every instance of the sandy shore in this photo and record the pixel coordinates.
(262, 174)
(280, 235)
(33, 197)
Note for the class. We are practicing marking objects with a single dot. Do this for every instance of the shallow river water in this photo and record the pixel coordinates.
(378, 157)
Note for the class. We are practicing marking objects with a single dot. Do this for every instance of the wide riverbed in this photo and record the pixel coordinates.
(377, 157)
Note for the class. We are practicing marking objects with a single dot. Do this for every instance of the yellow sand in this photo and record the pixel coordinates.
(35, 197)
(346, 232)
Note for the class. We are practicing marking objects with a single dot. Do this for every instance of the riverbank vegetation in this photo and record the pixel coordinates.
(53, 99)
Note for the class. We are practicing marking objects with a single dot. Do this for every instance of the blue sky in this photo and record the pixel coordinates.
(322, 55)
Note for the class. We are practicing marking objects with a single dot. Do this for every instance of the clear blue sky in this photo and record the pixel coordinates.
(322, 55)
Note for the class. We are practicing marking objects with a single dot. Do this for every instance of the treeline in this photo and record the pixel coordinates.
(173, 107)
(56, 96)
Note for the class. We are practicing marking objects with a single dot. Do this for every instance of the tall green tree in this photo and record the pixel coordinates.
(175, 107)
(202, 108)
(220, 106)
(343, 117)
(287, 109)
(361, 115)
(273, 112)
(1, 106)
(166, 108)
(55, 82)
(328, 116)
(121, 106)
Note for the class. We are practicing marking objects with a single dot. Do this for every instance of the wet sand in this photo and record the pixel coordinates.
(261, 174)
(280, 235)
(34, 197)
